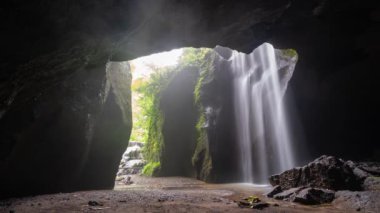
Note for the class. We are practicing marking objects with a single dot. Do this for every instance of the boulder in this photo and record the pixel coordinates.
(288, 194)
(324, 172)
(371, 183)
(366, 201)
(313, 196)
(308, 196)
(274, 191)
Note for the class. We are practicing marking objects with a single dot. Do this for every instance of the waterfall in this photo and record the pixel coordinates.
(259, 83)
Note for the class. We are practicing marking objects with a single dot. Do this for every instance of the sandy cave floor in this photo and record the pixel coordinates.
(166, 194)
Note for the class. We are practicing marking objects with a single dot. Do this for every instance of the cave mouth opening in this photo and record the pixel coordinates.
(214, 114)
(151, 74)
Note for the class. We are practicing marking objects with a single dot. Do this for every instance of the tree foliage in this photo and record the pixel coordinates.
(151, 118)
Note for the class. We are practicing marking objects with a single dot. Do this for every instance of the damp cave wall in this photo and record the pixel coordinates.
(53, 72)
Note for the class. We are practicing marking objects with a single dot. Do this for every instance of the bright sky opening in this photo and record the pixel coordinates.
(163, 59)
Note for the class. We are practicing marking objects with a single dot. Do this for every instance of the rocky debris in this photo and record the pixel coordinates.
(128, 181)
(275, 190)
(132, 161)
(327, 172)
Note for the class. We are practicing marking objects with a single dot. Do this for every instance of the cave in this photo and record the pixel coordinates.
(66, 108)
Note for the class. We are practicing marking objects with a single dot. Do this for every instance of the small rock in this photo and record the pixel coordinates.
(252, 202)
(313, 196)
(128, 181)
(260, 205)
(244, 204)
(358, 209)
(94, 203)
(288, 194)
(277, 189)
(162, 199)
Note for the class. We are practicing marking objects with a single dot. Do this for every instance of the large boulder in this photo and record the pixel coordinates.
(327, 178)
(324, 172)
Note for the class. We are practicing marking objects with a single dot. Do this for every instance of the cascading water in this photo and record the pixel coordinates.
(259, 82)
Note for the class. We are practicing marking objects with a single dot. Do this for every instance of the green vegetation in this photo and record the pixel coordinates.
(290, 52)
(201, 159)
(149, 121)
(193, 57)
(152, 118)
(151, 168)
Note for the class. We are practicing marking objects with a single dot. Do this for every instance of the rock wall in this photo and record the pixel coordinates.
(180, 116)
(64, 124)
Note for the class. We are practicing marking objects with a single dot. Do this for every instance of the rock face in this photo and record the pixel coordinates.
(324, 172)
(64, 132)
(180, 117)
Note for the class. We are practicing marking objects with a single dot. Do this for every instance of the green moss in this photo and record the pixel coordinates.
(201, 159)
(151, 92)
(201, 139)
(290, 53)
(151, 168)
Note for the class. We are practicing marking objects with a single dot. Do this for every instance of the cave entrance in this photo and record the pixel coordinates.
(212, 114)
(158, 80)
